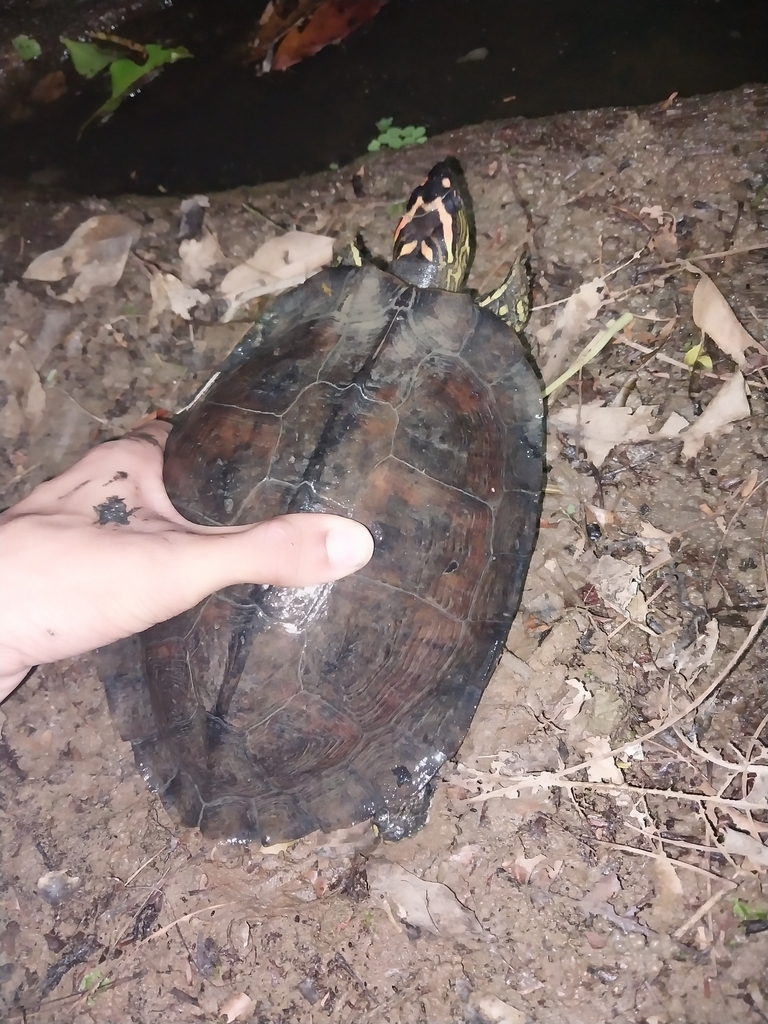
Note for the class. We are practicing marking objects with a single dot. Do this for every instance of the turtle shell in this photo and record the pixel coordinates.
(264, 712)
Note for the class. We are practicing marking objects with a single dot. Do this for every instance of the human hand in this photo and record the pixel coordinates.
(70, 583)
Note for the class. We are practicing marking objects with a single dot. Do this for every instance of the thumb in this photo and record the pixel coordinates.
(290, 551)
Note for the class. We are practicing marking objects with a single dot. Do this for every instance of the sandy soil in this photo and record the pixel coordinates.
(614, 893)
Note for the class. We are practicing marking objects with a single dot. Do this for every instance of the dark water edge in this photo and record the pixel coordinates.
(210, 123)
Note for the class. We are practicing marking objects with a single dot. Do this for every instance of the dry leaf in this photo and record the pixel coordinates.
(600, 428)
(699, 654)
(727, 407)
(596, 903)
(758, 794)
(96, 251)
(749, 484)
(673, 425)
(556, 340)
(742, 845)
(665, 241)
(197, 256)
(618, 585)
(238, 1005)
(668, 881)
(430, 906)
(656, 542)
(604, 769)
(496, 1011)
(168, 292)
(282, 262)
(332, 22)
(715, 317)
(24, 403)
(656, 212)
(523, 867)
(576, 702)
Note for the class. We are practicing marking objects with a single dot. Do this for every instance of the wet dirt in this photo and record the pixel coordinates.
(618, 901)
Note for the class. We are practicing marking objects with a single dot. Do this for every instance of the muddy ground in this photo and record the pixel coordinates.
(632, 890)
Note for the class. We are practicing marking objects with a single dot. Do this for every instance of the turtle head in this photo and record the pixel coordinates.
(432, 241)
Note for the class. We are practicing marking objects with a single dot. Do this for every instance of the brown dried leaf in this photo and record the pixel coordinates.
(523, 867)
(496, 1011)
(665, 241)
(618, 584)
(700, 652)
(604, 769)
(24, 407)
(282, 262)
(715, 317)
(557, 339)
(727, 407)
(197, 256)
(600, 428)
(96, 251)
(668, 882)
(742, 845)
(238, 1005)
(430, 906)
(168, 292)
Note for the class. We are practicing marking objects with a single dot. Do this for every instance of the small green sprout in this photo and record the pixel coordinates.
(94, 981)
(26, 47)
(743, 912)
(697, 358)
(396, 138)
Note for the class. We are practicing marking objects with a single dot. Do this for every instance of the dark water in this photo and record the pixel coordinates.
(210, 123)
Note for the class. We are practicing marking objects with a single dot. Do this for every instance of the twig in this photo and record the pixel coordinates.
(188, 917)
(104, 423)
(704, 909)
(547, 779)
(554, 777)
(660, 856)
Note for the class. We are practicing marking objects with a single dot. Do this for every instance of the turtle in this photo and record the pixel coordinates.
(394, 396)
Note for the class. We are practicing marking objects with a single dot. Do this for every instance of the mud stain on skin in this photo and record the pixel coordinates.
(114, 510)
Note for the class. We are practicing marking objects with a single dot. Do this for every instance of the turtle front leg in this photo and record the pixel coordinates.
(350, 256)
(511, 301)
(356, 254)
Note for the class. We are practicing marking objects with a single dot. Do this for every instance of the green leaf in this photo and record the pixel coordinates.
(421, 132)
(743, 912)
(333, 167)
(87, 58)
(124, 73)
(374, 146)
(26, 47)
(157, 55)
(384, 123)
(696, 356)
(93, 979)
